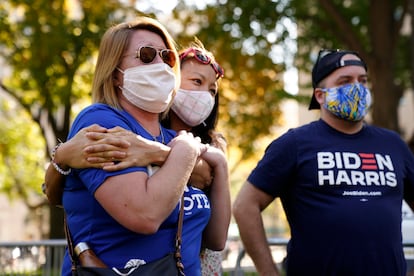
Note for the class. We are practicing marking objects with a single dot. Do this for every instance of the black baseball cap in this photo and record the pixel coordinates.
(327, 62)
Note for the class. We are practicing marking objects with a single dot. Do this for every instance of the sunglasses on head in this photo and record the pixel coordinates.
(203, 58)
(147, 54)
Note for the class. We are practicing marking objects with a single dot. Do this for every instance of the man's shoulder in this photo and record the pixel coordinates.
(383, 132)
(299, 134)
(309, 127)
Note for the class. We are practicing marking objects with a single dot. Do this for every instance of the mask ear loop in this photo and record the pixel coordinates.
(120, 70)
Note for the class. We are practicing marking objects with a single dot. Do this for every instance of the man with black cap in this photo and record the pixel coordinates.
(341, 183)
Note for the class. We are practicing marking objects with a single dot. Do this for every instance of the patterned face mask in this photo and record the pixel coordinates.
(193, 107)
(350, 101)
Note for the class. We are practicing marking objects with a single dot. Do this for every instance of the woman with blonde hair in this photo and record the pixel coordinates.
(195, 109)
(129, 216)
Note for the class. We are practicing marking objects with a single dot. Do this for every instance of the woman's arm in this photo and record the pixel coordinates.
(140, 152)
(64, 156)
(141, 203)
(215, 233)
(98, 147)
(202, 175)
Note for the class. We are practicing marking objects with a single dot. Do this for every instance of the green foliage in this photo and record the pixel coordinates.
(253, 41)
(22, 155)
(46, 43)
(346, 24)
(49, 46)
(375, 29)
(246, 38)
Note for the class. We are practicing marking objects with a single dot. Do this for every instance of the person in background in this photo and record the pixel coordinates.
(341, 183)
(195, 108)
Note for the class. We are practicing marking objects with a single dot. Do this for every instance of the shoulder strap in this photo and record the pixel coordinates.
(70, 244)
(178, 240)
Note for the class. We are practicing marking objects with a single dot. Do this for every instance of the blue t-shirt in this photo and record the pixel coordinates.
(196, 216)
(89, 222)
(342, 196)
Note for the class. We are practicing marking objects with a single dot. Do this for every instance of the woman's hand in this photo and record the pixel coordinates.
(97, 147)
(218, 141)
(141, 151)
(202, 175)
(75, 153)
(114, 149)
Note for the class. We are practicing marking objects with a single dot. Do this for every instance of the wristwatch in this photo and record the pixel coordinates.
(81, 247)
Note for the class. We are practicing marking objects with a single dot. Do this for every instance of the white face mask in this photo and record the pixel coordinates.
(193, 107)
(149, 87)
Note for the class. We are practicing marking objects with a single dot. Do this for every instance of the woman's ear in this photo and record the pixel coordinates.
(116, 79)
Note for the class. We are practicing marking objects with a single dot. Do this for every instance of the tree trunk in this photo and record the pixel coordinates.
(387, 96)
(56, 223)
(53, 135)
(381, 62)
(411, 12)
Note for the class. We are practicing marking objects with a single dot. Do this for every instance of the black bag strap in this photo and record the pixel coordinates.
(70, 246)
(178, 239)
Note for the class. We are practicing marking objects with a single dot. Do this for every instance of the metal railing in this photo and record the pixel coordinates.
(44, 257)
(281, 242)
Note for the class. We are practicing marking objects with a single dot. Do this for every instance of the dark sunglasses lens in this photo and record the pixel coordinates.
(168, 57)
(202, 58)
(147, 54)
(218, 69)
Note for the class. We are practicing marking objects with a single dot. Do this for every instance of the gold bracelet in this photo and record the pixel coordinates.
(55, 165)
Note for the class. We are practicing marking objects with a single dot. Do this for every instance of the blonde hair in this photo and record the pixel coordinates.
(113, 45)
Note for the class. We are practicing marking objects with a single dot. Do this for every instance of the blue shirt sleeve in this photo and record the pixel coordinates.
(107, 117)
(276, 169)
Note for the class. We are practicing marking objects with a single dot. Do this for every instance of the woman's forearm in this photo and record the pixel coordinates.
(149, 200)
(54, 186)
(55, 175)
(215, 234)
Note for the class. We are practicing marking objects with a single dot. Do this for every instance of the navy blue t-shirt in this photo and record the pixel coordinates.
(342, 195)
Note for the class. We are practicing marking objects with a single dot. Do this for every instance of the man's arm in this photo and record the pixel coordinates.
(247, 208)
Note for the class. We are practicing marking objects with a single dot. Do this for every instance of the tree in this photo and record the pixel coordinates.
(248, 38)
(21, 154)
(411, 47)
(50, 45)
(372, 28)
(247, 34)
(244, 33)
(50, 49)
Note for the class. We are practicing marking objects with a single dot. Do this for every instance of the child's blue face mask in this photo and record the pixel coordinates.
(350, 101)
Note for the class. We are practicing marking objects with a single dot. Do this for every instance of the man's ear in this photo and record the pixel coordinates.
(319, 95)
